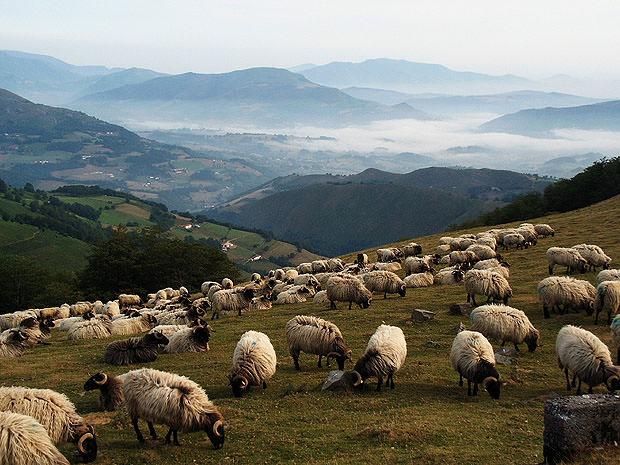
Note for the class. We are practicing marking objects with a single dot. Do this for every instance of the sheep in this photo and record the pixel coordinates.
(134, 350)
(24, 441)
(443, 249)
(66, 323)
(570, 258)
(128, 300)
(459, 257)
(472, 357)
(487, 283)
(419, 280)
(505, 324)
(204, 287)
(502, 270)
(304, 268)
(385, 354)
(227, 283)
(335, 264)
(608, 275)
(180, 317)
(320, 266)
(13, 343)
(308, 280)
(12, 320)
(570, 292)
(280, 287)
(320, 298)
(594, 255)
(167, 330)
(295, 294)
(212, 290)
(393, 267)
(582, 353)
(291, 275)
(347, 289)
(253, 362)
(488, 241)
(229, 301)
(260, 303)
(451, 275)
(56, 413)
(387, 255)
(514, 240)
(412, 249)
(32, 329)
(615, 332)
(111, 308)
(111, 395)
(416, 265)
(129, 326)
(483, 252)
(95, 328)
(316, 336)
(490, 263)
(462, 243)
(607, 299)
(54, 312)
(79, 308)
(544, 230)
(528, 233)
(256, 278)
(190, 339)
(384, 282)
(362, 260)
(172, 400)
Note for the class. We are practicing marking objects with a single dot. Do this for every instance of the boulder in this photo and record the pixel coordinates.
(422, 315)
(461, 309)
(338, 380)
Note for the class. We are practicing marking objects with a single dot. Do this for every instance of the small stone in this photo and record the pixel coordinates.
(432, 344)
(422, 315)
(503, 359)
(461, 309)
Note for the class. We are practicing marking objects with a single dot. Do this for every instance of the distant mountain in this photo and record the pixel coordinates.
(407, 76)
(387, 97)
(603, 116)
(258, 96)
(121, 78)
(302, 67)
(568, 166)
(337, 214)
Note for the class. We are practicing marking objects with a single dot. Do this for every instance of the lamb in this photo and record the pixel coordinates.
(13, 343)
(135, 350)
(347, 289)
(607, 299)
(412, 249)
(111, 395)
(316, 336)
(253, 363)
(570, 258)
(608, 275)
(130, 326)
(229, 301)
(570, 292)
(488, 283)
(462, 257)
(389, 255)
(515, 240)
(384, 282)
(505, 324)
(451, 275)
(544, 230)
(172, 400)
(483, 252)
(472, 357)
(56, 413)
(295, 294)
(419, 280)
(95, 328)
(194, 339)
(594, 255)
(583, 354)
(128, 300)
(24, 441)
(385, 354)
(416, 265)
(615, 332)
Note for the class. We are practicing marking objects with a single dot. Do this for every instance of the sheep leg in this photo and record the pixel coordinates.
(385, 295)
(579, 387)
(264, 384)
(134, 422)
(590, 389)
(468, 298)
(596, 318)
(546, 312)
(320, 358)
(488, 299)
(168, 435)
(379, 383)
(574, 382)
(152, 431)
(517, 347)
(468, 387)
(350, 303)
(332, 305)
(392, 385)
(176, 438)
(295, 356)
(473, 300)
(475, 389)
(567, 380)
(460, 380)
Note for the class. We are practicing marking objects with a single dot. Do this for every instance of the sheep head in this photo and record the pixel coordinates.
(29, 322)
(215, 430)
(95, 381)
(492, 386)
(239, 385)
(87, 445)
(613, 380)
(402, 291)
(532, 340)
(154, 339)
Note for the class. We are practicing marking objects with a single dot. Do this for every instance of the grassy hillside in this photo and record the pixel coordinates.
(426, 419)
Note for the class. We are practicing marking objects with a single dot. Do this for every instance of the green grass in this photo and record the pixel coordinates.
(100, 201)
(427, 419)
(128, 212)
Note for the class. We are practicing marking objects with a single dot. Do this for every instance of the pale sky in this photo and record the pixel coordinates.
(529, 38)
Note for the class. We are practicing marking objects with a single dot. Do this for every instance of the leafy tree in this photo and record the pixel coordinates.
(28, 187)
(4, 187)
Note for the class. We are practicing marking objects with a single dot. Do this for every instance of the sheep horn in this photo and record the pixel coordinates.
(104, 380)
(216, 428)
(359, 379)
(80, 444)
(244, 382)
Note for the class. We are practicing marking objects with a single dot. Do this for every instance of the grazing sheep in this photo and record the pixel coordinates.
(128, 300)
(253, 363)
(608, 275)
(572, 293)
(195, 339)
(280, 274)
(451, 275)
(393, 267)
(385, 354)
(419, 280)
(587, 358)
(483, 252)
(570, 258)
(412, 249)
(389, 255)
(175, 401)
(488, 240)
(504, 271)
(24, 441)
(515, 240)
(13, 343)
(472, 357)
(56, 413)
(228, 300)
(347, 289)
(487, 283)
(362, 260)
(227, 283)
(294, 295)
(135, 350)
(135, 325)
(544, 230)
(111, 396)
(316, 336)
(320, 298)
(594, 255)
(95, 328)
(528, 233)
(211, 292)
(416, 265)
(505, 324)
(607, 299)
(615, 333)
(384, 282)
(459, 257)
(111, 309)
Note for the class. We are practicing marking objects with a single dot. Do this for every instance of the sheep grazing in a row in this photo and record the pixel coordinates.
(571, 293)
(608, 275)
(505, 324)
(111, 395)
(189, 339)
(135, 350)
(585, 356)
(385, 354)
(56, 413)
(594, 255)
(13, 343)
(316, 336)
(159, 397)
(515, 241)
(487, 283)
(607, 299)
(564, 256)
(347, 289)
(419, 280)
(384, 282)
(229, 300)
(253, 362)
(472, 357)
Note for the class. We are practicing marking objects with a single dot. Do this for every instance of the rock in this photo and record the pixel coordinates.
(503, 359)
(461, 309)
(338, 380)
(574, 424)
(422, 315)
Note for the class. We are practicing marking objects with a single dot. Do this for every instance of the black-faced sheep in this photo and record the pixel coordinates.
(607, 299)
(111, 395)
(362, 260)
(385, 354)
(569, 292)
(488, 283)
(347, 289)
(194, 339)
(13, 343)
(608, 275)
(450, 275)
(133, 325)
(472, 357)
(253, 362)
(570, 258)
(384, 282)
(594, 255)
(505, 324)
(544, 230)
(135, 350)
(416, 265)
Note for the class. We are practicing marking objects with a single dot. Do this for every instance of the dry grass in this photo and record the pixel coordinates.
(427, 419)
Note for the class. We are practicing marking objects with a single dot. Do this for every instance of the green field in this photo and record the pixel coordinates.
(427, 419)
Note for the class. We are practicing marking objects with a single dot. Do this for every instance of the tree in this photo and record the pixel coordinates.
(28, 187)
(4, 187)
(21, 280)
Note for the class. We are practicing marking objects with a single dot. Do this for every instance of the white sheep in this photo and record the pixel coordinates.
(472, 357)
(304, 268)
(393, 267)
(490, 263)
(12, 320)
(335, 264)
(95, 328)
(449, 275)
(227, 300)
(544, 230)
(321, 299)
(175, 401)
(347, 289)
(111, 308)
(488, 283)
(419, 280)
(412, 249)
(608, 275)
(129, 300)
(204, 287)
(505, 324)
(253, 362)
(416, 265)
(308, 280)
(570, 258)
(189, 339)
(385, 354)
(227, 283)
(587, 358)
(572, 293)
(362, 260)
(129, 326)
(294, 295)
(443, 249)
(483, 252)
(488, 240)
(13, 343)
(384, 282)
(389, 255)
(607, 299)
(514, 240)
(320, 266)
(594, 255)
(459, 257)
